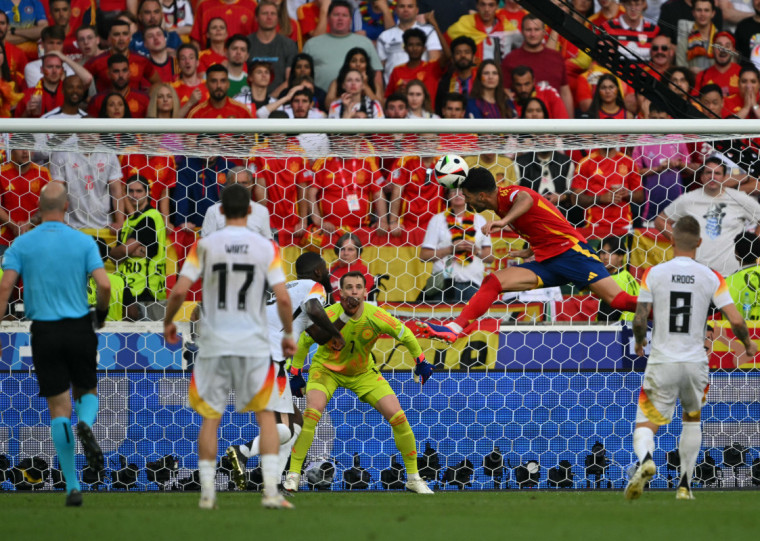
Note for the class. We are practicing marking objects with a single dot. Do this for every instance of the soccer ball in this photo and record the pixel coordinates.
(451, 171)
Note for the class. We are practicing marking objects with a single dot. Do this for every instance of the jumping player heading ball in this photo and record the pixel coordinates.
(562, 254)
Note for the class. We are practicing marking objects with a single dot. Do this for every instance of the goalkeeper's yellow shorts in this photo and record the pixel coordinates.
(370, 386)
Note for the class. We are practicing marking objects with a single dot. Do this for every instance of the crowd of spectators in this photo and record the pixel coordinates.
(356, 59)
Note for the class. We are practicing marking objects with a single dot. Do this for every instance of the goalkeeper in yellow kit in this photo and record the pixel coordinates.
(353, 367)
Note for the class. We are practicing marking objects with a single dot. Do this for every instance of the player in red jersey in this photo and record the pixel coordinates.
(561, 253)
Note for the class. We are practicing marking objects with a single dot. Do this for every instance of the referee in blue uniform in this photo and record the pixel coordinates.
(55, 262)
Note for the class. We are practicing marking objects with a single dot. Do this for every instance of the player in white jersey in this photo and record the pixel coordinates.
(680, 291)
(308, 296)
(236, 265)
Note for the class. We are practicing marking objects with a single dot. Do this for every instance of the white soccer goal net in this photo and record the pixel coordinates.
(543, 391)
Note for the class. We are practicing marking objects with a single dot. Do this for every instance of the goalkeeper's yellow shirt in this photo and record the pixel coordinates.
(360, 336)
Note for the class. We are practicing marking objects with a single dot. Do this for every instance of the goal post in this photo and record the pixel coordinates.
(545, 385)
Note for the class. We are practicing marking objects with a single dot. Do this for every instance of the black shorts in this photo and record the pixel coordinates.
(64, 353)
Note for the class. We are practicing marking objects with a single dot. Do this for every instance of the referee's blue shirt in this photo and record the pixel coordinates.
(55, 262)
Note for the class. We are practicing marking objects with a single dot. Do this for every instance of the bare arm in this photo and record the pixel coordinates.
(445, 49)
(6, 288)
(285, 311)
(522, 204)
(27, 34)
(739, 328)
(176, 298)
(317, 314)
(396, 191)
(116, 188)
(78, 69)
(664, 225)
(381, 209)
(640, 326)
(430, 254)
(567, 98)
(322, 22)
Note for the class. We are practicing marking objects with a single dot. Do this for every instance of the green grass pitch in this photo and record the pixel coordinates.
(465, 516)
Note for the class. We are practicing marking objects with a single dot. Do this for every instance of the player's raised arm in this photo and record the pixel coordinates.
(393, 327)
(640, 326)
(329, 330)
(522, 203)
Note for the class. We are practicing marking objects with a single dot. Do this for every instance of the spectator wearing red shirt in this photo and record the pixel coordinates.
(141, 73)
(632, 30)
(189, 85)
(20, 181)
(88, 44)
(746, 102)
(524, 87)
(16, 58)
(342, 192)
(415, 197)
(455, 106)
(240, 16)
(281, 185)
(606, 182)
(70, 15)
(725, 71)
(218, 105)
(416, 68)
(163, 63)
(349, 251)
(47, 94)
(711, 98)
(119, 77)
(608, 102)
(610, 10)
(215, 51)
(548, 65)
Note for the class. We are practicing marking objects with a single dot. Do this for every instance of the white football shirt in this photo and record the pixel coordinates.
(681, 290)
(236, 265)
(300, 291)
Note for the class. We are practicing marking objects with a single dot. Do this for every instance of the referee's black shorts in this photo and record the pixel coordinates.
(64, 353)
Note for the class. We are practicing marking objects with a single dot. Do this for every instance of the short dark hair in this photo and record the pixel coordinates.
(216, 67)
(307, 262)
(713, 160)
(618, 245)
(479, 179)
(464, 40)
(455, 96)
(519, 71)
(686, 233)
(353, 274)
(117, 58)
(340, 3)
(712, 87)
(235, 200)
(414, 33)
(190, 46)
(747, 247)
(397, 96)
(711, 2)
(658, 106)
(237, 37)
(749, 67)
(528, 17)
(53, 32)
(141, 179)
(117, 22)
(540, 103)
(305, 91)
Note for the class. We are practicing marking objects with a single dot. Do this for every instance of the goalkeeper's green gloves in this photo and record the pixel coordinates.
(422, 368)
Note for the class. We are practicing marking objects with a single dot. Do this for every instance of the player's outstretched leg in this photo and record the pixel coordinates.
(487, 294)
(311, 418)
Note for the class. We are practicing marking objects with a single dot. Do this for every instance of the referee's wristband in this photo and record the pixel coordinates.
(288, 335)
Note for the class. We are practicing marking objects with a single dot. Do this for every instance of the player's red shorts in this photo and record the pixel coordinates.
(579, 265)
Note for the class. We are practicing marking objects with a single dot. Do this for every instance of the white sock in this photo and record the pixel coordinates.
(284, 433)
(286, 448)
(413, 476)
(688, 449)
(270, 474)
(454, 327)
(643, 442)
(207, 471)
